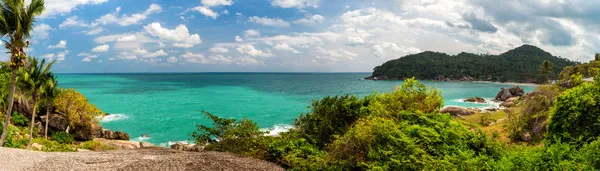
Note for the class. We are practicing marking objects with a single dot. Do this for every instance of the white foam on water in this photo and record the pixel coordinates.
(277, 129)
(113, 117)
(141, 139)
(168, 144)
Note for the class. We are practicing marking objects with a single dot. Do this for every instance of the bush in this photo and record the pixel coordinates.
(16, 137)
(296, 153)
(412, 96)
(76, 107)
(575, 117)
(19, 120)
(331, 116)
(95, 146)
(54, 146)
(229, 135)
(62, 137)
(533, 114)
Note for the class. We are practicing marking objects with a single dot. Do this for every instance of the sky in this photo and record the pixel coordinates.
(108, 36)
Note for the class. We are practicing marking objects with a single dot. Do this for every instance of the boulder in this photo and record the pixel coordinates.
(87, 132)
(454, 111)
(441, 78)
(36, 146)
(57, 121)
(507, 104)
(525, 136)
(503, 95)
(146, 144)
(179, 146)
(475, 100)
(492, 109)
(121, 135)
(512, 99)
(119, 144)
(108, 134)
(516, 91)
(187, 147)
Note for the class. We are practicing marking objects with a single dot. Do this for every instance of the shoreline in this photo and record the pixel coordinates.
(507, 83)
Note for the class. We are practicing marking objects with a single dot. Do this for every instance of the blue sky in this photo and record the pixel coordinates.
(299, 35)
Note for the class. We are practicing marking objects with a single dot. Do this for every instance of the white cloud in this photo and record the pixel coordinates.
(60, 56)
(274, 22)
(212, 3)
(101, 48)
(352, 41)
(295, 3)
(250, 50)
(61, 45)
(73, 21)
(311, 20)
(335, 55)
(126, 20)
(251, 32)
(238, 39)
(87, 55)
(126, 56)
(58, 7)
(180, 36)
(41, 31)
(172, 59)
(95, 31)
(86, 59)
(219, 49)
(285, 47)
(206, 11)
(144, 53)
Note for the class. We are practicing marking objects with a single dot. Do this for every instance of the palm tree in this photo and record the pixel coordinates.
(49, 94)
(34, 83)
(16, 23)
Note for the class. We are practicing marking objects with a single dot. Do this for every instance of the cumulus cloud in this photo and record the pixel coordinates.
(87, 55)
(41, 31)
(251, 32)
(295, 3)
(126, 20)
(73, 21)
(206, 11)
(479, 24)
(285, 47)
(219, 49)
(101, 48)
(172, 59)
(180, 36)
(60, 56)
(61, 45)
(212, 3)
(250, 50)
(311, 20)
(274, 22)
(144, 53)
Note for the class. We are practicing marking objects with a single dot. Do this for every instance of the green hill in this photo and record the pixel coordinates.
(517, 65)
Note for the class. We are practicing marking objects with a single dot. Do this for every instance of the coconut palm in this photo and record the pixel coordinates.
(16, 24)
(35, 79)
(50, 92)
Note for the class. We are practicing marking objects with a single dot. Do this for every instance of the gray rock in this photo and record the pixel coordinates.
(454, 111)
(525, 136)
(37, 146)
(503, 95)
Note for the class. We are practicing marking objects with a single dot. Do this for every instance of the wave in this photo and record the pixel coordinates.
(141, 139)
(277, 129)
(113, 117)
(168, 144)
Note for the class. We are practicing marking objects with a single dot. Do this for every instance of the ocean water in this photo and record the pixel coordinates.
(168, 106)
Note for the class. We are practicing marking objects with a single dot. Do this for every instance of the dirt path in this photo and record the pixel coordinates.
(140, 159)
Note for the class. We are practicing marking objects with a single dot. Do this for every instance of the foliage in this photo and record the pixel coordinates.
(291, 152)
(586, 70)
(240, 137)
(95, 146)
(411, 96)
(331, 116)
(15, 137)
(76, 108)
(54, 146)
(575, 117)
(532, 116)
(19, 119)
(545, 72)
(62, 137)
(517, 65)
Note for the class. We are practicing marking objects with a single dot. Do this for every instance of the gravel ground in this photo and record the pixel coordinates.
(140, 159)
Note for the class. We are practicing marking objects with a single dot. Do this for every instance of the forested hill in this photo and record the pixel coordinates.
(517, 65)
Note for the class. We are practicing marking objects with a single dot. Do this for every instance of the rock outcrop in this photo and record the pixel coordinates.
(475, 100)
(187, 147)
(505, 94)
(457, 111)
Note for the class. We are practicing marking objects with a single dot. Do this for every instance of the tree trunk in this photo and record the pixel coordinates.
(47, 119)
(32, 124)
(11, 98)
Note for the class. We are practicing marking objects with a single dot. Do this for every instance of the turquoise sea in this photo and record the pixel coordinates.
(167, 106)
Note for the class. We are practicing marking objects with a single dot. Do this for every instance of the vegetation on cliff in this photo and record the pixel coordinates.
(517, 65)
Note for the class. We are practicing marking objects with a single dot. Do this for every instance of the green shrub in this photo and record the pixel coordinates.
(331, 116)
(62, 137)
(95, 146)
(240, 137)
(296, 153)
(54, 146)
(412, 96)
(19, 120)
(575, 117)
(16, 137)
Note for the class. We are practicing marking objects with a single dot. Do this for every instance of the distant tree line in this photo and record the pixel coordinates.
(518, 65)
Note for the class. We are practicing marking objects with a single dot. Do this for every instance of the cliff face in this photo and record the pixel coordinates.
(518, 65)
